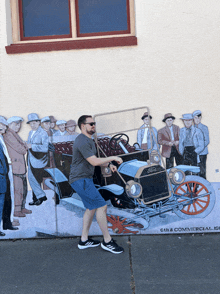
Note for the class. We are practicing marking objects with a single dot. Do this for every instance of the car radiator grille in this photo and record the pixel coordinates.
(154, 184)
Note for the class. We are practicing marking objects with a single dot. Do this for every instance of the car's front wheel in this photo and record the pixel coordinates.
(196, 197)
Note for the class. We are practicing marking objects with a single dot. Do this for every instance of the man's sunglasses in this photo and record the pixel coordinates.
(91, 124)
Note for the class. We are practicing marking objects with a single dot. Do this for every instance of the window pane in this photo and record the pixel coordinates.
(45, 17)
(97, 16)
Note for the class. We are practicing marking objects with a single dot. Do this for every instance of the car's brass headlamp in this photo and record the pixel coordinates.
(154, 157)
(176, 176)
(133, 189)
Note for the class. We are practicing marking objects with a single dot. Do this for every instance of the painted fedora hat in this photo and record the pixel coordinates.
(168, 115)
(32, 117)
(146, 115)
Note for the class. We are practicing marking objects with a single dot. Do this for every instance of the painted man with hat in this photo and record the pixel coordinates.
(197, 117)
(71, 128)
(52, 124)
(147, 134)
(6, 174)
(61, 124)
(38, 141)
(3, 183)
(191, 142)
(168, 137)
(17, 149)
(46, 125)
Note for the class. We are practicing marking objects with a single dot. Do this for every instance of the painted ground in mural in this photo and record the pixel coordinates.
(66, 220)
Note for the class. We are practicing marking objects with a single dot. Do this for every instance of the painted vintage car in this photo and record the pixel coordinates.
(141, 188)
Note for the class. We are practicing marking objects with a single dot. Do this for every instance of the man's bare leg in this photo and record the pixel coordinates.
(87, 221)
(102, 221)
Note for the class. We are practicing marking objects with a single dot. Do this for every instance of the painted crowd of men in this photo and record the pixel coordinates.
(13, 167)
(187, 146)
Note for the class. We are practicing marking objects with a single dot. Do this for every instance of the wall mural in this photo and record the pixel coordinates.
(161, 186)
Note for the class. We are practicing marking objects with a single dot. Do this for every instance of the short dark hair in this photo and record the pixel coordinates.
(82, 120)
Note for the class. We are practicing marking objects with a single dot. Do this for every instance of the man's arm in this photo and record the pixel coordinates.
(95, 161)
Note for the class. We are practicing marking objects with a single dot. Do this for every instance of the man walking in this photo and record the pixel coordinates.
(168, 137)
(81, 179)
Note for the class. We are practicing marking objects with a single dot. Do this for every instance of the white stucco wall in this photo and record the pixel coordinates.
(175, 68)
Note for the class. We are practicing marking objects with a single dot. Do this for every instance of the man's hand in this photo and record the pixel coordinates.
(117, 159)
(113, 167)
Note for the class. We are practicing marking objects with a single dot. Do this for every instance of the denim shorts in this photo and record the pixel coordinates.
(90, 196)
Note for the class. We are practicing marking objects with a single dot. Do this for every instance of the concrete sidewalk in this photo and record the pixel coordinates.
(160, 264)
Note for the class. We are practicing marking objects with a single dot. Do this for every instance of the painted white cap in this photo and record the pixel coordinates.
(60, 122)
(197, 112)
(14, 119)
(45, 119)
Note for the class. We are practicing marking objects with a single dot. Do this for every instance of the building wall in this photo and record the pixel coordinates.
(175, 68)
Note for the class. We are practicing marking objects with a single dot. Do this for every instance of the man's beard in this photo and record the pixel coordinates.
(90, 132)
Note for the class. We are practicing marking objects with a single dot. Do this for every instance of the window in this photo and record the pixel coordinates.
(45, 25)
(44, 19)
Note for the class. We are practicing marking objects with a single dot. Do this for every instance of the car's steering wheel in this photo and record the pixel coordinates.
(114, 141)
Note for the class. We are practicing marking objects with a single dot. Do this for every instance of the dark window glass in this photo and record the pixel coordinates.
(98, 16)
(45, 17)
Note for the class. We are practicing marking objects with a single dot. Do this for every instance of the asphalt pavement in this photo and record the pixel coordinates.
(151, 264)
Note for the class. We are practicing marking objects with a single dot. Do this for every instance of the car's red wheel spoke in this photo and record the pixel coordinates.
(189, 189)
(201, 200)
(197, 202)
(119, 226)
(182, 190)
(199, 190)
(194, 188)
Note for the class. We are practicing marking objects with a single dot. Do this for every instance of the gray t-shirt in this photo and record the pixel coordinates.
(83, 148)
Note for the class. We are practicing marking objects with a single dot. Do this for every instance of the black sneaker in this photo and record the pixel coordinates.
(112, 246)
(88, 243)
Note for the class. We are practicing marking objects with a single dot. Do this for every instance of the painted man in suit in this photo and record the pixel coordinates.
(46, 125)
(8, 207)
(168, 137)
(191, 142)
(147, 135)
(38, 141)
(197, 117)
(3, 183)
(17, 149)
(52, 124)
